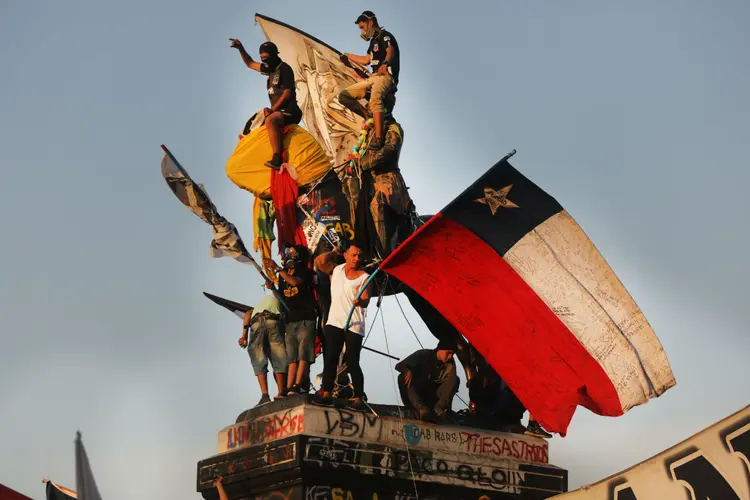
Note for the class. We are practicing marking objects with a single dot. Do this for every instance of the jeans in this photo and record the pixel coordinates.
(335, 340)
(267, 341)
(300, 341)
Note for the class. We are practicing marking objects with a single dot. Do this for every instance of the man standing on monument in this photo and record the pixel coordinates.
(347, 280)
(428, 381)
(281, 91)
(296, 284)
(384, 58)
(266, 340)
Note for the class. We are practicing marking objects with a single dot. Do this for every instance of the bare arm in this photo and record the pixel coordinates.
(292, 280)
(220, 489)
(363, 60)
(245, 56)
(325, 262)
(364, 299)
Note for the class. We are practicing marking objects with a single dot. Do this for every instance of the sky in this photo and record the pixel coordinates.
(633, 114)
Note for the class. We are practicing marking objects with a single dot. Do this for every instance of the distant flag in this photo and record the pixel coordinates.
(235, 307)
(57, 492)
(517, 276)
(85, 483)
(9, 494)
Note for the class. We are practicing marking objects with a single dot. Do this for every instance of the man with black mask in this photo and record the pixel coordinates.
(384, 59)
(296, 283)
(284, 109)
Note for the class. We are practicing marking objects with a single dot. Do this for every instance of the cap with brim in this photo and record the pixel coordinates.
(365, 16)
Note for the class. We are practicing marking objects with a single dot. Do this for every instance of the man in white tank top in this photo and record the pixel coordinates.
(346, 281)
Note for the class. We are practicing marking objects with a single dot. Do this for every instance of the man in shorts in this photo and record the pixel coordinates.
(266, 341)
(296, 284)
(281, 92)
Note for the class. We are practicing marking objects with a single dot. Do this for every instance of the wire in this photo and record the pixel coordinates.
(407, 319)
(400, 414)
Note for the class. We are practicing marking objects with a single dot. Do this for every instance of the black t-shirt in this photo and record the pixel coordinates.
(300, 299)
(279, 80)
(377, 51)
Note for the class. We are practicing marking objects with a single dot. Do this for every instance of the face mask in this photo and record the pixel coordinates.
(272, 62)
(368, 34)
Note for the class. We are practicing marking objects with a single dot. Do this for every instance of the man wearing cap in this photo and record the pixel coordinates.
(296, 283)
(384, 60)
(281, 91)
(428, 381)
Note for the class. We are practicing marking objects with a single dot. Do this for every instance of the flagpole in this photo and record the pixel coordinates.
(246, 254)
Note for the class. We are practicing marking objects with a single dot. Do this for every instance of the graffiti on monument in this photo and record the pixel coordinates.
(338, 493)
(263, 429)
(350, 424)
(257, 461)
(473, 442)
(501, 475)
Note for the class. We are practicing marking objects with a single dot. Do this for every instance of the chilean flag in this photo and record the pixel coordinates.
(517, 276)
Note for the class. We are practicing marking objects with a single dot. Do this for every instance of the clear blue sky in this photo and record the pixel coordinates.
(633, 114)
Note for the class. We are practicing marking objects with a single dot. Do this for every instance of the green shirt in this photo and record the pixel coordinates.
(267, 303)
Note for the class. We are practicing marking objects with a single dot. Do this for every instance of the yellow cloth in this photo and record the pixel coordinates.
(246, 165)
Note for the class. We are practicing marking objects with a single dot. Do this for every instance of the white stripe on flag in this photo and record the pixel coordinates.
(564, 268)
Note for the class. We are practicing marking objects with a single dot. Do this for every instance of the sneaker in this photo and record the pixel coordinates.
(275, 162)
(536, 430)
(293, 390)
(279, 396)
(376, 144)
(264, 400)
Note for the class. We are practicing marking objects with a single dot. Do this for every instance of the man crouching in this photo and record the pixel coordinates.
(428, 381)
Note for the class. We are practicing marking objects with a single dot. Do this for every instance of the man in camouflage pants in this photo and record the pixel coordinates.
(390, 201)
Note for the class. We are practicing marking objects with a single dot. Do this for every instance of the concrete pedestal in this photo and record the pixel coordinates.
(294, 449)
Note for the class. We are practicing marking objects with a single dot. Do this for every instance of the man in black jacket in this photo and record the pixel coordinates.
(428, 381)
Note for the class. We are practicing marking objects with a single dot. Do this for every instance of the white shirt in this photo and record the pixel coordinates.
(343, 292)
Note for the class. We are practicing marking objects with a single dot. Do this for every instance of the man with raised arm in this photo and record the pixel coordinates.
(384, 60)
(281, 92)
(347, 280)
(428, 381)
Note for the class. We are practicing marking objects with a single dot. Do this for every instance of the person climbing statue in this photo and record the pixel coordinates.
(347, 280)
(284, 109)
(384, 60)
(266, 341)
(428, 381)
(296, 283)
(386, 194)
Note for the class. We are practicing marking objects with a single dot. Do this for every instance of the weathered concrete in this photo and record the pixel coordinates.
(296, 449)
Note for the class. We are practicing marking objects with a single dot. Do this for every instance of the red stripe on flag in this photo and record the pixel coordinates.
(505, 320)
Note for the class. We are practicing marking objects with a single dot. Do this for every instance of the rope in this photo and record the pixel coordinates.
(400, 414)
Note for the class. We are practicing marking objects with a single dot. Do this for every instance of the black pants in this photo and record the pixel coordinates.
(335, 340)
(429, 396)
